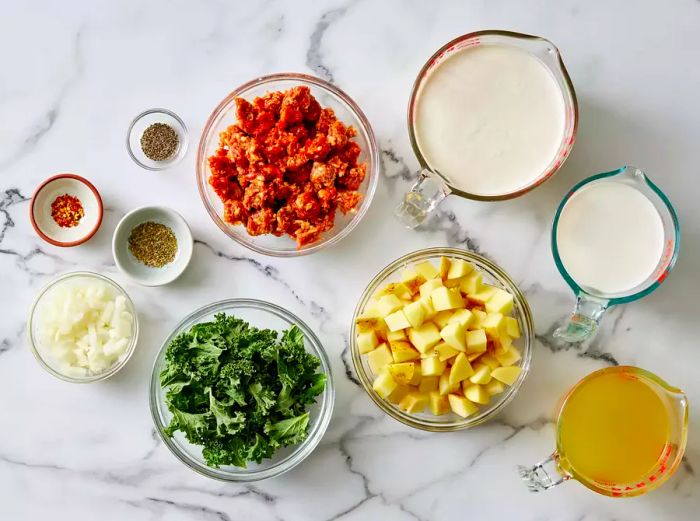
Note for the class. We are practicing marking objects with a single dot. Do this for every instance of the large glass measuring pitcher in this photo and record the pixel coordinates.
(621, 432)
(434, 185)
(592, 302)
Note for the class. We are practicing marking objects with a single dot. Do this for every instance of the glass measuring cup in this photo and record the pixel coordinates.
(592, 304)
(556, 469)
(433, 186)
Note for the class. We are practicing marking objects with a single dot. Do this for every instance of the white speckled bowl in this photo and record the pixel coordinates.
(138, 271)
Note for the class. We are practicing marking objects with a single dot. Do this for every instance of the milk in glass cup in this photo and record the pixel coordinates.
(492, 115)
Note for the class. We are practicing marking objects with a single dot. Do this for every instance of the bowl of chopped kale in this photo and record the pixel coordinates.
(241, 390)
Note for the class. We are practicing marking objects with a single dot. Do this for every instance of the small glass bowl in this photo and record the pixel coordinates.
(327, 95)
(145, 120)
(44, 358)
(492, 275)
(262, 315)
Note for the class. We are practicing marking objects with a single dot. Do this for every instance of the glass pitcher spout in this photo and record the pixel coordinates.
(585, 319)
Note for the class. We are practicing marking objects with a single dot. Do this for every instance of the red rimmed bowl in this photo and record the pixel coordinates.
(40, 210)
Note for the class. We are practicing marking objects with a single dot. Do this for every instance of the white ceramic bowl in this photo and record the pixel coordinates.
(46, 194)
(136, 270)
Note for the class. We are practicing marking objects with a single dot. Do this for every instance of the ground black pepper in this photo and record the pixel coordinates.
(159, 142)
(153, 244)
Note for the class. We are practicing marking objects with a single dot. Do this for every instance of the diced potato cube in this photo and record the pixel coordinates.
(510, 357)
(492, 324)
(394, 288)
(398, 393)
(445, 298)
(490, 361)
(379, 358)
(511, 327)
(432, 366)
(393, 336)
(426, 269)
(494, 387)
(455, 335)
(476, 341)
(415, 313)
(444, 267)
(403, 351)
(444, 351)
(444, 385)
(424, 337)
(367, 341)
(402, 372)
(476, 393)
(412, 280)
(459, 268)
(417, 375)
(461, 316)
(478, 317)
(414, 402)
(504, 343)
(461, 369)
(474, 356)
(442, 318)
(453, 283)
(428, 384)
(397, 321)
(471, 283)
(428, 287)
(507, 375)
(384, 384)
(388, 304)
(482, 374)
(429, 309)
(438, 403)
(461, 406)
(500, 302)
(366, 322)
(483, 295)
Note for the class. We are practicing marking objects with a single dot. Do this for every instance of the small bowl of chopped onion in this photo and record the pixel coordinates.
(82, 327)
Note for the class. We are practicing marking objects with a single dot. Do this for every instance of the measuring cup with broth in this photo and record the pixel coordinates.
(621, 431)
(615, 237)
(492, 115)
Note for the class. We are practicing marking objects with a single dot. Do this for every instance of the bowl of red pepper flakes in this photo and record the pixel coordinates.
(66, 210)
(287, 164)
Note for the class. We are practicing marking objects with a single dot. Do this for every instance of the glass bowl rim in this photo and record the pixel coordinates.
(504, 399)
(33, 342)
(182, 150)
(366, 129)
(302, 450)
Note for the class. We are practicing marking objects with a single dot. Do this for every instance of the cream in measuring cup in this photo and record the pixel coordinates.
(492, 115)
(615, 237)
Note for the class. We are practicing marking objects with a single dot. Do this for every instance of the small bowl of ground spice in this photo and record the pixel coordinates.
(157, 139)
(152, 245)
(66, 210)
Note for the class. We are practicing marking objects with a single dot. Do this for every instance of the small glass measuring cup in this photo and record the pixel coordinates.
(555, 470)
(433, 186)
(591, 304)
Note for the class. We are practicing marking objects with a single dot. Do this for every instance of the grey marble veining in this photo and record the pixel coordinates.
(73, 76)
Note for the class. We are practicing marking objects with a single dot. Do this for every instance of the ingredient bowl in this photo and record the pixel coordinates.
(45, 209)
(328, 96)
(492, 274)
(46, 356)
(265, 316)
(136, 131)
(137, 270)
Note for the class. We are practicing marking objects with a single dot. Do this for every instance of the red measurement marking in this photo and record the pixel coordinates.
(616, 494)
(641, 484)
(652, 478)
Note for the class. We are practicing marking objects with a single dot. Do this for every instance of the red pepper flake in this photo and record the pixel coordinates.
(67, 211)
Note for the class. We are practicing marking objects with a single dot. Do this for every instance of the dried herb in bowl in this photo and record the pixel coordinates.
(153, 244)
(240, 392)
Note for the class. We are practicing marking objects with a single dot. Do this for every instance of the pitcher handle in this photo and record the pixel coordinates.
(585, 319)
(544, 475)
(425, 195)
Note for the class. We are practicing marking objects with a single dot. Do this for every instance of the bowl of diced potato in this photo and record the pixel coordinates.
(441, 339)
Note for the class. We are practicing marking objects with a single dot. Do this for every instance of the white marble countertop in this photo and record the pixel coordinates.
(73, 76)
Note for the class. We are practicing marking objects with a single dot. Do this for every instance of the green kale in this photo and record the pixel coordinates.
(238, 391)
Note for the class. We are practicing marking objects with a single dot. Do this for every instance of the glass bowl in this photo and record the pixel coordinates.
(492, 275)
(145, 120)
(262, 315)
(43, 356)
(327, 95)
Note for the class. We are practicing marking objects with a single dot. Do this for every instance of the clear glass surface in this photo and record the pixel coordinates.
(262, 315)
(494, 275)
(327, 95)
(145, 120)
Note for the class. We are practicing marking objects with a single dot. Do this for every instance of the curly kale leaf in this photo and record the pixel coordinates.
(238, 391)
